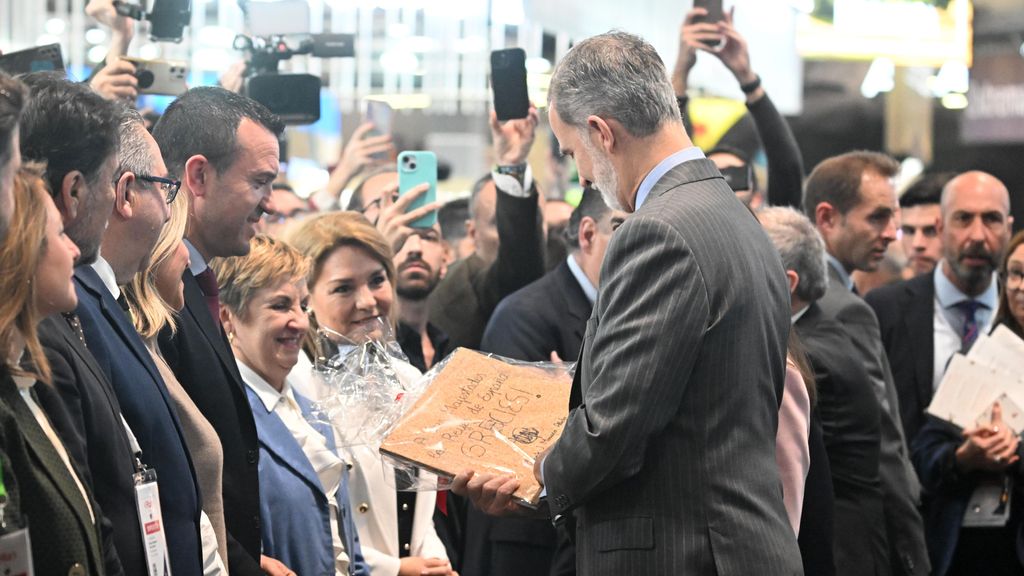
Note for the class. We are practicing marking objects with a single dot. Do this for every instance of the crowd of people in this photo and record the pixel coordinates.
(750, 393)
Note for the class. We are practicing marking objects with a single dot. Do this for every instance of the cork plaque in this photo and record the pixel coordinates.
(487, 414)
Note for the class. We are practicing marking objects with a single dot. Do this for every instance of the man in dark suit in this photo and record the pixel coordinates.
(225, 149)
(81, 404)
(651, 462)
(140, 210)
(547, 316)
(505, 226)
(926, 320)
(852, 201)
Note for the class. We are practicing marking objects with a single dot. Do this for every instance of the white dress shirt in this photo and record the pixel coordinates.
(328, 466)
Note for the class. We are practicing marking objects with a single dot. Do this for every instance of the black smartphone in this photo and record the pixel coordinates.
(508, 80)
(714, 8)
(38, 59)
(739, 178)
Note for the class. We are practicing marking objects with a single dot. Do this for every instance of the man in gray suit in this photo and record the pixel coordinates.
(852, 200)
(667, 459)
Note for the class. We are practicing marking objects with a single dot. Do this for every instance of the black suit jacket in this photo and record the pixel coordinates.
(463, 302)
(85, 412)
(549, 315)
(200, 357)
(906, 318)
(851, 429)
(64, 538)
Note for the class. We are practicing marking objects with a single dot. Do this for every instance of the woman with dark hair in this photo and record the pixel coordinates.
(1011, 299)
(36, 264)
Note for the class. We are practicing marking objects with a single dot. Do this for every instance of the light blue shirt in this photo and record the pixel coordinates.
(684, 155)
(196, 262)
(843, 274)
(948, 296)
(588, 288)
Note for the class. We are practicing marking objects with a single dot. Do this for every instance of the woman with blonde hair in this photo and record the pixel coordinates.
(304, 505)
(155, 296)
(352, 297)
(36, 266)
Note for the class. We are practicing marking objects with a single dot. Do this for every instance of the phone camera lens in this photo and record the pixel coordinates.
(412, 165)
(145, 78)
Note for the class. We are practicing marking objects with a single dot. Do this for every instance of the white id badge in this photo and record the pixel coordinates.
(16, 553)
(151, 523)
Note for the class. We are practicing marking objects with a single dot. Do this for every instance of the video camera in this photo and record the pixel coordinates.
(167, 19)
(281, 30)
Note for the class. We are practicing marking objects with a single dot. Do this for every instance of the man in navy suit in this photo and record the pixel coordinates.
(140, 209)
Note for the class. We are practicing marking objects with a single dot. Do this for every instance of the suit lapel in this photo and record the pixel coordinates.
(118, 319)
(86, 357)
(577, 304)
(195, 307)
(919, 323)
(44, 452)
(278, 440)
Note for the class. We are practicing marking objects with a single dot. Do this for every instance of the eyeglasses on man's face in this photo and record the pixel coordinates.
(168, 186)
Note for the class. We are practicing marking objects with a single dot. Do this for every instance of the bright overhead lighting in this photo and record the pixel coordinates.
(399, 62)
(954, 101)
(45, 39)
(216, 36)
(470, 45)
(418, 44)
(55, 26)
(881, 77)
(96, 53)
(149, 52)
(538, 65)
(95, 36)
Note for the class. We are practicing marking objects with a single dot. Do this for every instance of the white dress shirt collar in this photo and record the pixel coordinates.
(581, 278)
(106, 274)
(799, 314)
(196, 263)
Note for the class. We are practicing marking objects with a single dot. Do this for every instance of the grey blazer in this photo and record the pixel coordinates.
(901, 491)
(668, 461)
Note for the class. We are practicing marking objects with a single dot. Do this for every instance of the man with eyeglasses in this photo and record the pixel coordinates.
(143, 190)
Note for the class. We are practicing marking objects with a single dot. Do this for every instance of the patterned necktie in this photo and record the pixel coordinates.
(76, 326)
(207, 281)
(969, 333)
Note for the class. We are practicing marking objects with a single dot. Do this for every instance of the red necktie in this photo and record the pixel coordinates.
(207, 281)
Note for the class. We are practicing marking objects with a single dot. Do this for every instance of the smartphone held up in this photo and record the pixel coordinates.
(416, 168)
(508, 81)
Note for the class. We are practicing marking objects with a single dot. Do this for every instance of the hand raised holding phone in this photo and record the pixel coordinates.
(397, 214)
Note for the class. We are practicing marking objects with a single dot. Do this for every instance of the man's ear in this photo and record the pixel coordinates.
(69, 198)
(124, 196)
(586, 233)
(471, 229)
(600, 133)
(794, 280)
(826, 217)
(198, 171)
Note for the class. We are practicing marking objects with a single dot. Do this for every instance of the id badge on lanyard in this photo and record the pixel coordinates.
(15, 546)
(151, 521)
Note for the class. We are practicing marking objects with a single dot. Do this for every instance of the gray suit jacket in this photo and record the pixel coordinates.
(901, 491)
(668, 462)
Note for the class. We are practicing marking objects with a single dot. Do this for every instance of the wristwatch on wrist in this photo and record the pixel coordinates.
(518, 171)
(749, 87)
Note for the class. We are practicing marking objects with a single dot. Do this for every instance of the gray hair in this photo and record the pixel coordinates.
(801, 248)
(614, 75)
(133, 155)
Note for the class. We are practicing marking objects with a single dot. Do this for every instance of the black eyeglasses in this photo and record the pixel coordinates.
(169, 186)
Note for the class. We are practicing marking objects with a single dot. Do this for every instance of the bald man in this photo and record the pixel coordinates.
(926, 320)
